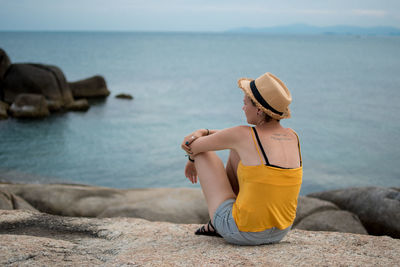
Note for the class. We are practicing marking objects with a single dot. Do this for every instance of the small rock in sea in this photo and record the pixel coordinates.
(124, 96)
(93, 87)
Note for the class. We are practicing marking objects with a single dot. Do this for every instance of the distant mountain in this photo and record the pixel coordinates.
(308, 29)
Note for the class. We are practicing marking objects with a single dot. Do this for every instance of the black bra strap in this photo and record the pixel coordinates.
(261, 147)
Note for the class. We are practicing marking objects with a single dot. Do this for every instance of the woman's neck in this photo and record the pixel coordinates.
(272, 124)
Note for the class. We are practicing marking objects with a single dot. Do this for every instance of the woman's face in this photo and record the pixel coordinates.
(250, 110)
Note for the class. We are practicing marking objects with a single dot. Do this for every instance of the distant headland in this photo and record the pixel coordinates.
(329, 30)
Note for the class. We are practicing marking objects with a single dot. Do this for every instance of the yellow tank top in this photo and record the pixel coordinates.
(267, 194)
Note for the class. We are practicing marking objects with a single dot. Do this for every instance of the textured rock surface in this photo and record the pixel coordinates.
(91, 87)
(179, 205)
(378, 208)
(137, 242)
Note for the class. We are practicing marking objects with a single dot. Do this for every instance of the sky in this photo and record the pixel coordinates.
(192, 15)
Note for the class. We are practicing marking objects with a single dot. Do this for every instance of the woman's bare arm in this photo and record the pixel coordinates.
(229, 138)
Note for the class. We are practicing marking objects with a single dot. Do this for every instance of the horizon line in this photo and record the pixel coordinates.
(230, 30)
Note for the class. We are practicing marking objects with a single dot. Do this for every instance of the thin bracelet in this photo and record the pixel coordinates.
(189, 158)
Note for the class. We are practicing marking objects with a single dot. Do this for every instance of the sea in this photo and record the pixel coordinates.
(345, 88)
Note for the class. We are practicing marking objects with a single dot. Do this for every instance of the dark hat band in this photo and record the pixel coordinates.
(261, 100)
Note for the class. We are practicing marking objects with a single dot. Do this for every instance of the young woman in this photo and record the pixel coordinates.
(253, 199)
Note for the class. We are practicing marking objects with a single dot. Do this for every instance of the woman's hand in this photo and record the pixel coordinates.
(190, 138)
(191, 172)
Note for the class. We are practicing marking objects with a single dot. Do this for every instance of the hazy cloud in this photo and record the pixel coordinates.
(191, 15)
(366, 12)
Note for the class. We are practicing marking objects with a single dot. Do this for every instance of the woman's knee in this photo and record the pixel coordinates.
(205, 154)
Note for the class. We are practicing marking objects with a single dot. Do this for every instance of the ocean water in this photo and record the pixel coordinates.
(346, 95)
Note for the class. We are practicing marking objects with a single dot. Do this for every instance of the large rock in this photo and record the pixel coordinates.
(3, 110)
(92, 87)
(32, 239)
(334, 221)
(29, 106)
(378, 208)
(180, 205)
(307, 206)
(45, 80)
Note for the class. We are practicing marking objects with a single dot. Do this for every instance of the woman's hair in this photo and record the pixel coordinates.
(267, 117)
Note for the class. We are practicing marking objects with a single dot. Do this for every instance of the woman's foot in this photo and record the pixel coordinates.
(207, 229)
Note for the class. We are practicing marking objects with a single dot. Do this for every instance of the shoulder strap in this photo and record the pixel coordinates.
(261, 147)
(255, 144)
(298, 142)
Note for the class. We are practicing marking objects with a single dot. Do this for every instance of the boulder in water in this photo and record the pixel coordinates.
(45, 80)
(92, 87)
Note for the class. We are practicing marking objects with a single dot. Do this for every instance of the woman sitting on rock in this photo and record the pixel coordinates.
(254, 199)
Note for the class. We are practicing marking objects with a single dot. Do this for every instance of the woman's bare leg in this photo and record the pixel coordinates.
(213, 180)
(231, 168)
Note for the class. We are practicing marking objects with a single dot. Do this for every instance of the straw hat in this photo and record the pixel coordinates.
(269, 93)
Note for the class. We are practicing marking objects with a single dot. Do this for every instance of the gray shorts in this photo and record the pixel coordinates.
(226, 226)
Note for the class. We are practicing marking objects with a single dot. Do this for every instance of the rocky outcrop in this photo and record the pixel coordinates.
(29, 106)
(137, 242)
(36, 79)
(89, 88)
(45, 80)
(378, 208)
